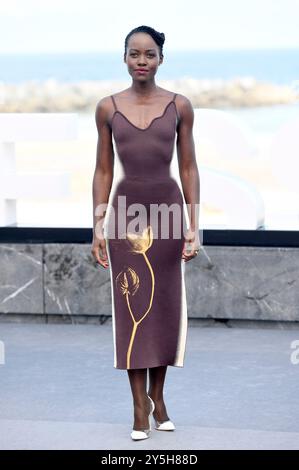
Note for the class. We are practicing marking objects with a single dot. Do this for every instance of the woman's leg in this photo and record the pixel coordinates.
(157, 379)
(141, 402)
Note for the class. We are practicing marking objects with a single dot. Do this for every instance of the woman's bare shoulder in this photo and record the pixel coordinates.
(184, 106)
(183, 101)
(103, 111)
(104, 104)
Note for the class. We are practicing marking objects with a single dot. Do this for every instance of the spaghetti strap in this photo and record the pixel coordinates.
(114, 104)
(176, 110)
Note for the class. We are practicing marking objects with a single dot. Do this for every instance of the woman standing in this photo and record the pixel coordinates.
(137, 129)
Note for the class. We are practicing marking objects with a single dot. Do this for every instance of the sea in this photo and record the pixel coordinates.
(278, 66)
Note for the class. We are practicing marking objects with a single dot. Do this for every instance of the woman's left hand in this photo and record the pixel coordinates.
(191, 246)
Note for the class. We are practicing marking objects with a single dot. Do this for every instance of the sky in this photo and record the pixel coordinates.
(35, 26)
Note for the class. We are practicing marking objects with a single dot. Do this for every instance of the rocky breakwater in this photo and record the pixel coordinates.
(54, 96)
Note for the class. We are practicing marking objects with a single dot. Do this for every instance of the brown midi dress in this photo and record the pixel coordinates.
(149, 307)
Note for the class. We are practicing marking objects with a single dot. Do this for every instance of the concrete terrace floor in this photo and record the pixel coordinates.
(238, 389)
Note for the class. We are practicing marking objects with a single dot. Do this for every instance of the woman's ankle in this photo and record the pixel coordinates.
(156, 398)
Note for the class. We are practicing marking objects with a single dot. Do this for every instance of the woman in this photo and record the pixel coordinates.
(137, 129)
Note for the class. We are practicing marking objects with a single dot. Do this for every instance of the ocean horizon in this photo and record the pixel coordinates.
(278, 66)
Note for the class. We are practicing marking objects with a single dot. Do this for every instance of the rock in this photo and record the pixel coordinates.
(54, 96)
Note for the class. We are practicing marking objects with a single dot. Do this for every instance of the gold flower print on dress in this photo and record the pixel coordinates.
(140, 244)
(128, 281)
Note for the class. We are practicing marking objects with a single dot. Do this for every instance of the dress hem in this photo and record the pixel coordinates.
(148, 367)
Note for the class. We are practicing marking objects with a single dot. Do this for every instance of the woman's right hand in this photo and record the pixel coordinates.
(99, 252)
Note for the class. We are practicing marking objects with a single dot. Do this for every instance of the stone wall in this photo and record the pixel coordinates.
(223, 282)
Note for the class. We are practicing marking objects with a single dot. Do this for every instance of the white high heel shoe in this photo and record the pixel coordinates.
(138, 435)
(164, 425)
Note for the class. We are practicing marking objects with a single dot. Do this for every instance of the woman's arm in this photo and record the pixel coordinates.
(102, 179)
(188, 171)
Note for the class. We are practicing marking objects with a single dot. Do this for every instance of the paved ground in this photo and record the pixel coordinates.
(238, 389)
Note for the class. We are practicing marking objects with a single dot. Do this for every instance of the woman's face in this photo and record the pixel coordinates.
(142, 53)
